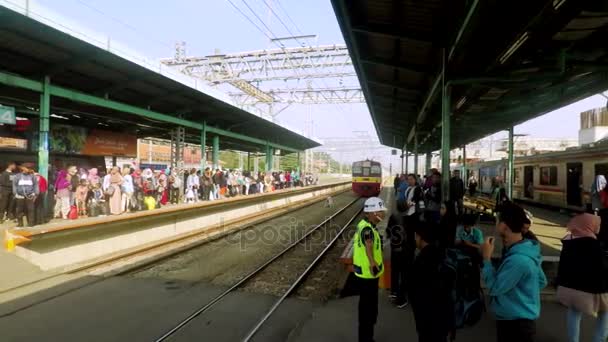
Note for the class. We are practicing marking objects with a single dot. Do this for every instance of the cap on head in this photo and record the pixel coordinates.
(373, 204)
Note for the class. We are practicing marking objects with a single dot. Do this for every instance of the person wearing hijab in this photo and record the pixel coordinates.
(127, 189)
(599, 206)
(582, 277)
(62, 194)
(93, 177)
(163, 194)
(115, 195)
(74, 182)
(597, 192)
(138, 188)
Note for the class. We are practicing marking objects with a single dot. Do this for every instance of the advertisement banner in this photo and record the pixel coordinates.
(92, 142)
(106, 143)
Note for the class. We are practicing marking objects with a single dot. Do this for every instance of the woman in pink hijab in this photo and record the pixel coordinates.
(93, 177)
(582, 277)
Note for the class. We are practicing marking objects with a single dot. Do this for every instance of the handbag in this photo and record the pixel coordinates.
(110, 191)
(73, 213)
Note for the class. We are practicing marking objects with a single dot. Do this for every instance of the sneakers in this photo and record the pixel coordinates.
(403, 304)
(392, 296)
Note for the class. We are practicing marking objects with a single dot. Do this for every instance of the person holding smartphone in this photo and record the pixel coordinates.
(514, 288)
(368, 265)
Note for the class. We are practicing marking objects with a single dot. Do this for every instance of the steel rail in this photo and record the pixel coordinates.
(250, 275)
(300, 279)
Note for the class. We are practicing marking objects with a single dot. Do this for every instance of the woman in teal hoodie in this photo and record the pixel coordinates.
(514, 288)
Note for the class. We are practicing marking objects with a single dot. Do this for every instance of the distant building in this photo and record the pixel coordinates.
(594, 126)
(495, 149)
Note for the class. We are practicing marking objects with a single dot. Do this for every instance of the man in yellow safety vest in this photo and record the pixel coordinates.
(368, 265)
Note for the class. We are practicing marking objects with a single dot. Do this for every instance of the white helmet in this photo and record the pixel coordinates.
(373, 204)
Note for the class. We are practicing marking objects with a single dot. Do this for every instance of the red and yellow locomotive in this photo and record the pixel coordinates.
(367, 178)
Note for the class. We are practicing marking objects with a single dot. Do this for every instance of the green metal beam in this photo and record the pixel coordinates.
(121, 107)
(440, 77)
(510, 165)
(394, 85)
(399, 66)
(248, 139)
(416, 153)
(445, 143)
(20, 82)
(77, 96)
(407, 160)
(390, 31)
(43, 129)
(203, 147)
(216, 151)
(463, 172)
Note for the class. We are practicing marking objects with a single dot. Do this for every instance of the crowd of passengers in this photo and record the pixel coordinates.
(440, 258)
(76, 193)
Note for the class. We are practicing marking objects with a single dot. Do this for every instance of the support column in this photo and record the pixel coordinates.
(463, 172)
(149, 152)
(299, 165)
(427, 166)
(216, 151)
(510, 165)
(248, 162)
(445, 138)
(402, 160)
(407, 162)
(203, 147)
(416, 152)
(43, 129)
(269, 158)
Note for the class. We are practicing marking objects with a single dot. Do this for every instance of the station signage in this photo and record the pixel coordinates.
(7, 115)
(13, 143)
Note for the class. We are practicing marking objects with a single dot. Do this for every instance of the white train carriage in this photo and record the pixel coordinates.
(561, 179)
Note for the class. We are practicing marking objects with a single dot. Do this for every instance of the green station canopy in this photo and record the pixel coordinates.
(507, 62)
(33, 46)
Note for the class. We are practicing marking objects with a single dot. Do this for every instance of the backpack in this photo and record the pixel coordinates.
(467, 295)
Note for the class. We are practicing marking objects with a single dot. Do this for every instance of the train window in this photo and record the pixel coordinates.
(376, 170)
(365, 171)
(357, 169)
(548, 175)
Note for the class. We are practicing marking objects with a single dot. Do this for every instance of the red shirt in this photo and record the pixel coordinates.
(43, 185)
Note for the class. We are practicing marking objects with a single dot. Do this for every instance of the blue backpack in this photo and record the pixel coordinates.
(467, 295)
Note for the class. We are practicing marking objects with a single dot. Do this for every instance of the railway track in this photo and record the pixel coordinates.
(301, 248)
(139, 259)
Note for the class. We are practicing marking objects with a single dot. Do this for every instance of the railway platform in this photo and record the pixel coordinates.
(58, 247)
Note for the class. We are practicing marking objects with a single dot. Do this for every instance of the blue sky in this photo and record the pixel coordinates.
(152, 27)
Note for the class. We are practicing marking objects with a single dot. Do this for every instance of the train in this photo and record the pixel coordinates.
(367, 178)
(556, 179)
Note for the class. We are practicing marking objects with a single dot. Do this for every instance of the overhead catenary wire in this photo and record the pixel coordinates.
(289, 17)
(118, 21)
(280, 19)
(249, 19)
(305, 44)
(263, 23)
(273, 38)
